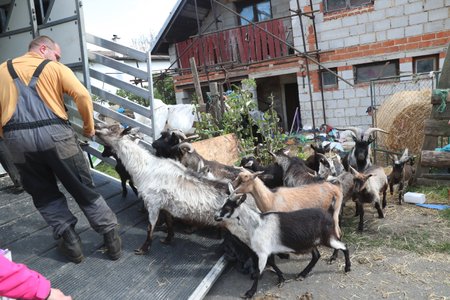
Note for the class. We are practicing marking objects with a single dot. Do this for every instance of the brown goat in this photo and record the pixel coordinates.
(286, 199)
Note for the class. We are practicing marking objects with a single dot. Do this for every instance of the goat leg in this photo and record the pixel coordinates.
(384, 191)
(169, 224)
(130, 182)
(379, 210)
(147, 244)
(271, 262)
(333, 256)
(255, 276)
(360, 212)
(315, 257)
(347, 260)
(124, 187)
(400, 192)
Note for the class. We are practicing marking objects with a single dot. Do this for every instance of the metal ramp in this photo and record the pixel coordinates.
(184, 270)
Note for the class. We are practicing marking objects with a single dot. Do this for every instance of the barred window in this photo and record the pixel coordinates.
(334, 5)
(367, 72)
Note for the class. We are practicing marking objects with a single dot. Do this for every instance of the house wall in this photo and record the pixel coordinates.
(388, 29)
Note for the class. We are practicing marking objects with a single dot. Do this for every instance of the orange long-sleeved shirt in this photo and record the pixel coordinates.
(55, 80)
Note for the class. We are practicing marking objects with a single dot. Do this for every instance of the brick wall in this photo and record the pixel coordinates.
(384, 30)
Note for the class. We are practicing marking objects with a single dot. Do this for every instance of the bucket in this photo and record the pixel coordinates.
(411, 197)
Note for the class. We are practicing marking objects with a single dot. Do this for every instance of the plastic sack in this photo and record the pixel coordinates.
(181, 116)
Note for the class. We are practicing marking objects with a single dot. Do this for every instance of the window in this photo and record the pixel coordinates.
(367, 72)
(328, 78)
(425, 64)
(255, 11)
(333, 5)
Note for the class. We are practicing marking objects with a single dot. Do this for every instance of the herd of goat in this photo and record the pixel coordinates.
(290, 206)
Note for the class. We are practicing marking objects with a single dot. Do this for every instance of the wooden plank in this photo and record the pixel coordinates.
(241, 46)
(282, 35)
(436, 128)
(258, 49)
(223, 42)
(437, 159)
(198, 88)
(251, 44)
(432, 182)
(275, 41)
(223, 149)
(263, 36)
(270, 40)
(217, 48)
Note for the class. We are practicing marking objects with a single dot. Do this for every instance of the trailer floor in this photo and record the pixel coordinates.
(175, 271)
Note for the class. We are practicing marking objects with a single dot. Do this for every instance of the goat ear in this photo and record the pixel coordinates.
(352, 170)
(256, 174)
(286, 151)
(230, 188)
(134, 130)
(313, 147)
(241, 199)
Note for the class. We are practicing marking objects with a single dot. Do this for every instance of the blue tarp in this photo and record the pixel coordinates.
(435, 206)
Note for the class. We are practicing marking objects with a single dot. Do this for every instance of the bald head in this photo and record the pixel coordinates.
(45, 47)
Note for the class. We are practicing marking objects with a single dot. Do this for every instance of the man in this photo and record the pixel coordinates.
(44, 146)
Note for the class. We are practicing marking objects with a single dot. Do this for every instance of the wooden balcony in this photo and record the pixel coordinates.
(240, 45)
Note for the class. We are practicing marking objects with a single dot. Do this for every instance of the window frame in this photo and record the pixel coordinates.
(324, 71)
(435, 58)
(348, 5)
(396, 63)
(242, 4)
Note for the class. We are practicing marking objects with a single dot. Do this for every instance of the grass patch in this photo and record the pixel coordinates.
(433, 194)
(107, 169)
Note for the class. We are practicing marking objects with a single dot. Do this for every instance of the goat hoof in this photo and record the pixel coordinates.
(281, 283)
(248, 295)
(165, 241)
(140, 251)
(300, 278)
(347, 269)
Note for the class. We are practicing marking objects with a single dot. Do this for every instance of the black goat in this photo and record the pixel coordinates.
(313, 161)
(402, 174)
(164, 146)
(120, 169)
(273, 173)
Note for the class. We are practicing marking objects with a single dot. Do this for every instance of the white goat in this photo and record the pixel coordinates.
(281, 232)
(164, 184)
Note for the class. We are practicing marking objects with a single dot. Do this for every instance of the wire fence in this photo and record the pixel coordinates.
(401, 104)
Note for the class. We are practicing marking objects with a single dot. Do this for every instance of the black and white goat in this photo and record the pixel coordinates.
(367, 187)
(360, 157)
(164, 146)
(402, 174)
(164, 184)
(269, 233)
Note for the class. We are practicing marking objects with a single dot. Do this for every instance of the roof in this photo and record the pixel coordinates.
(181, 24)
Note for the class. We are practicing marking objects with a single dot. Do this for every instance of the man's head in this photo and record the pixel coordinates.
(45, 47)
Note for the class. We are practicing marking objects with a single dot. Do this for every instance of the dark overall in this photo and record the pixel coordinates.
(44, 147)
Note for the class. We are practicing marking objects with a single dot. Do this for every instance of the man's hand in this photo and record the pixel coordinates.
(89, 134)
(56, 294)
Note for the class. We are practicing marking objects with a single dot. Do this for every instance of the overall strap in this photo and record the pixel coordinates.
(41, 66)
(11, 70)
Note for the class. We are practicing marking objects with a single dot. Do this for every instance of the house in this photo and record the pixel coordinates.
(268, 40)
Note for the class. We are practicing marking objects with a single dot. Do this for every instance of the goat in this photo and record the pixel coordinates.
(359, 157)
(298, 231)
(289, 198)
(120, 169)
(273, 173)
(402, 174)
(191, 159)
(164, 184)
(295, 171)
(313, 161)
(164, 145)
(367, 188)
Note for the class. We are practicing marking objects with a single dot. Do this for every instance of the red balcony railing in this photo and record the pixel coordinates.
(240, 45)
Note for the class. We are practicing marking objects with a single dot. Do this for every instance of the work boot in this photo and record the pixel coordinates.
(70, 245)
(113, 244)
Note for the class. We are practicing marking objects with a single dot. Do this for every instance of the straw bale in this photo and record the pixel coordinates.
(403, 115)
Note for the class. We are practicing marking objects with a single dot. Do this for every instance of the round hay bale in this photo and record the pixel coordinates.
(403, 115)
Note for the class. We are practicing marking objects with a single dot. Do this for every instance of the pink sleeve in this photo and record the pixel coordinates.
(17, 281)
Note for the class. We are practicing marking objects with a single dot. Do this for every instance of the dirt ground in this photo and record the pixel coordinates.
(397, 257)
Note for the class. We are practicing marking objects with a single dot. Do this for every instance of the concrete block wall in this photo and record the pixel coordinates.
(384, 30)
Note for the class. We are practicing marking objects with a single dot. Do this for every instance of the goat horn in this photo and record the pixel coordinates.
(188, 146)
(405, 156)
(357, 132)
(369, 131)
(179, 133)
